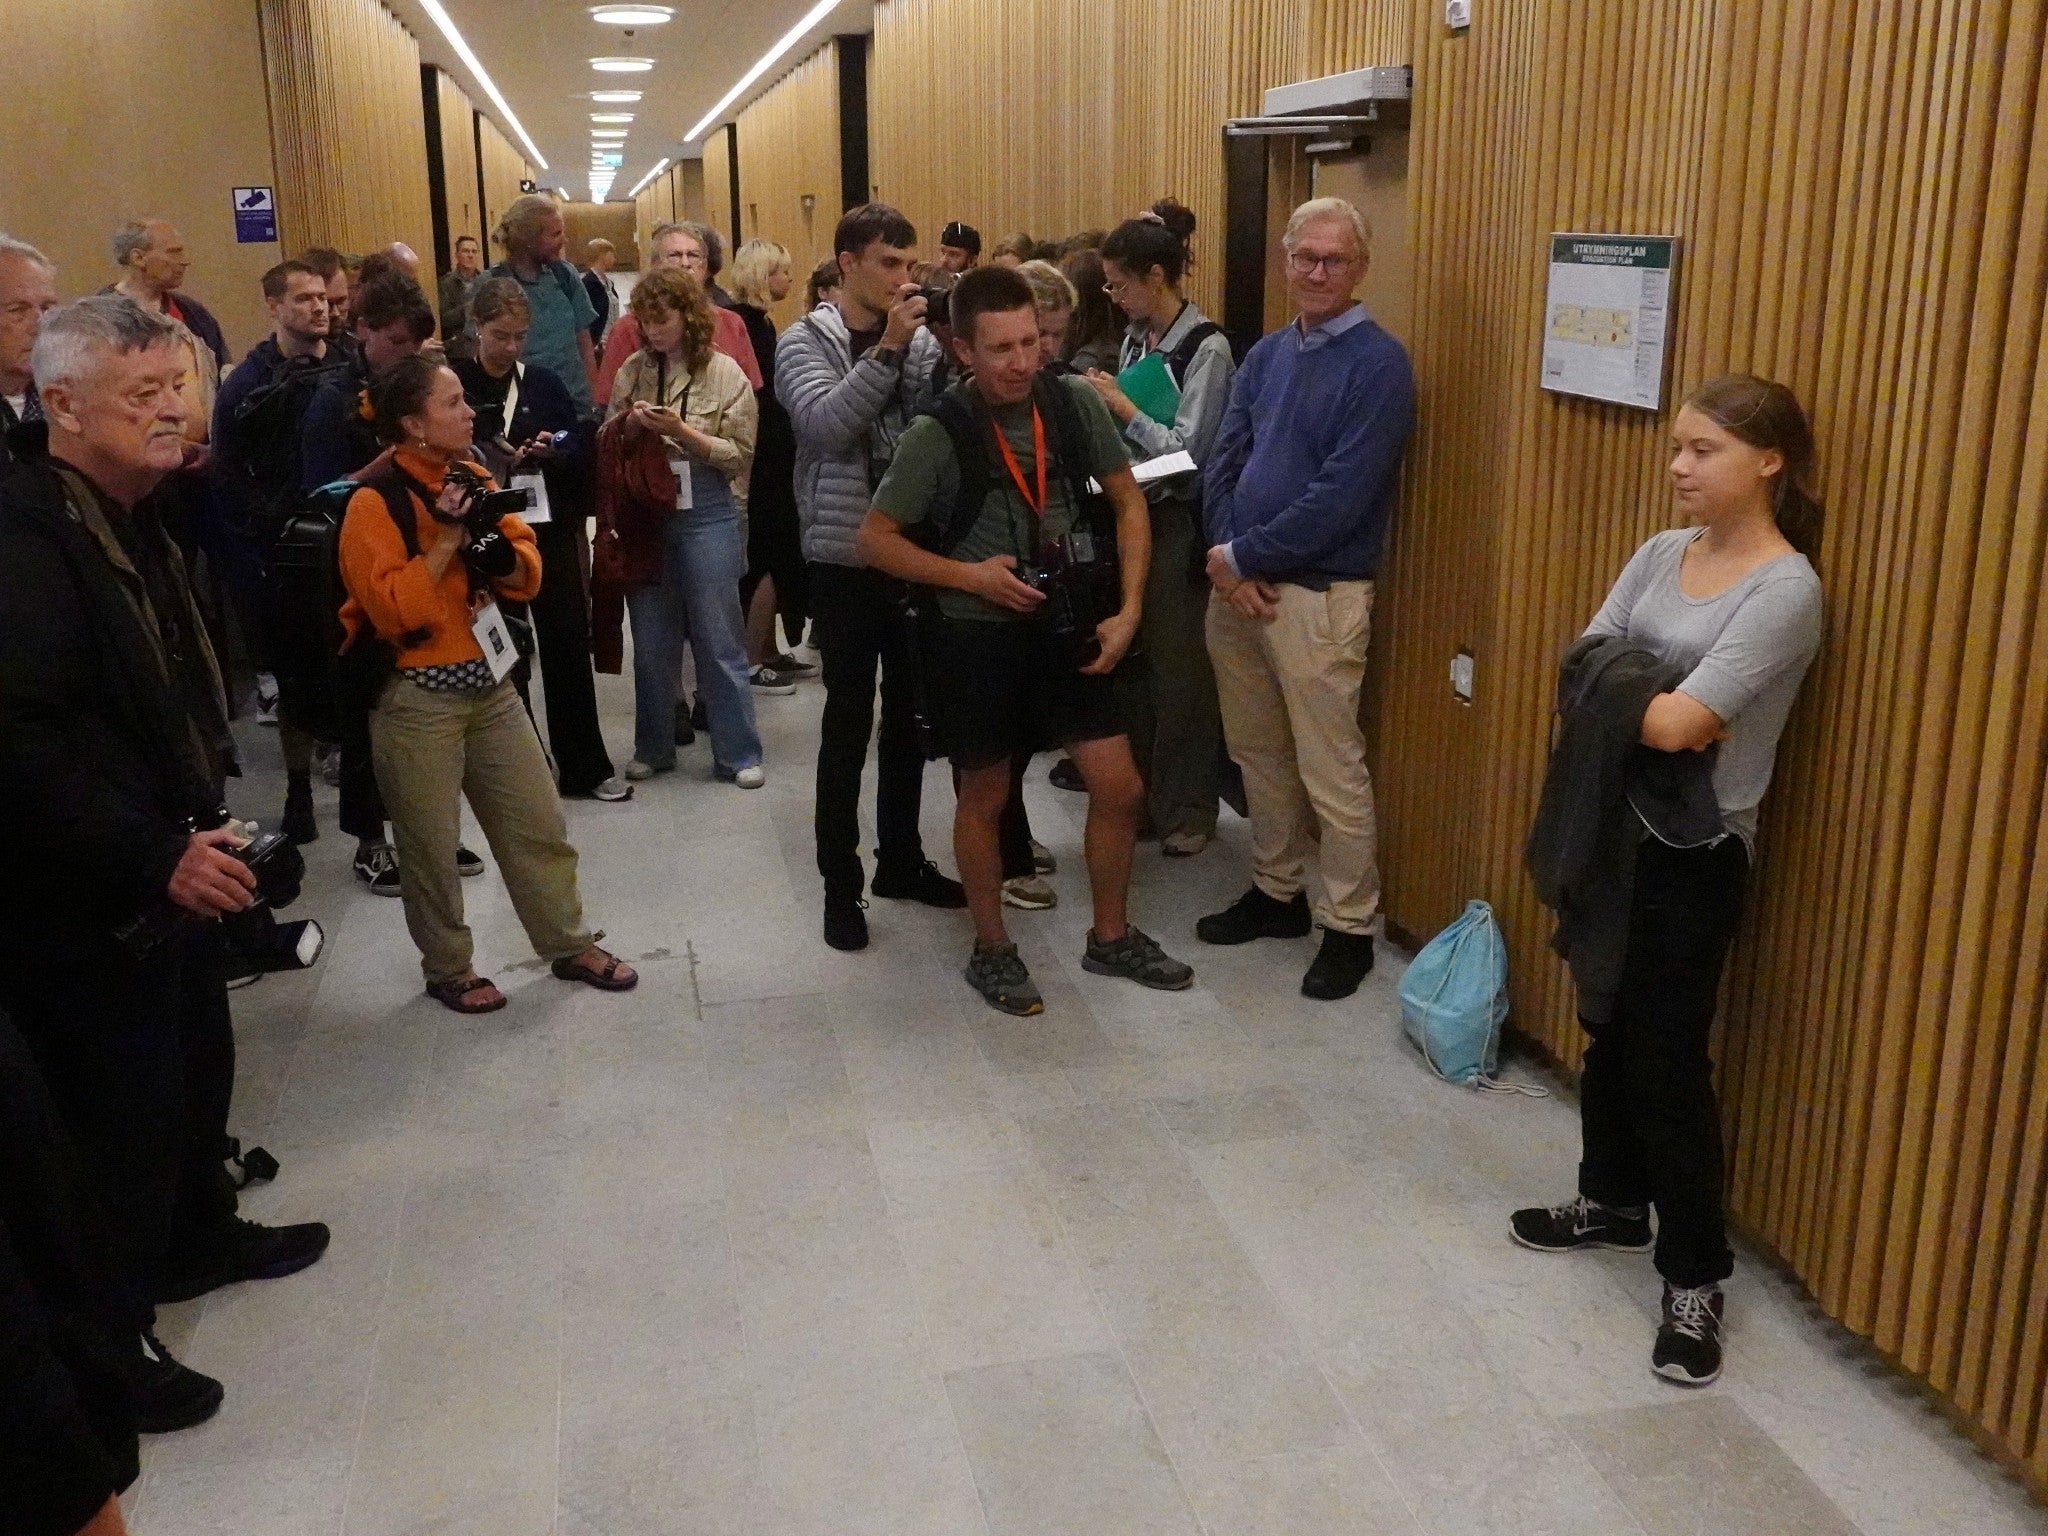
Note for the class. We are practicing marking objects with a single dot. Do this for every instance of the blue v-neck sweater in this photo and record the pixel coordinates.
(1302, 479)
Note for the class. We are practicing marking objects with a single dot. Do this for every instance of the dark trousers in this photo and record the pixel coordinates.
(561, 633)
(140, 1059)
(1651, 1123)
(362, 806)
(861, 630)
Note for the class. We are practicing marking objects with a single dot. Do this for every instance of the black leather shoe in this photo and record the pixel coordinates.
(1255, 915)
(686, 733)
(846, 922)
(242, 1250)
(922, 883)
(1340, 965)
(298, 823)
(168, 1396)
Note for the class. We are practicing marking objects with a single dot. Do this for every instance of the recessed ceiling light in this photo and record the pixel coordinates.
(615, 64)
(611, 117)
(615, 96)
(659, 166)
(787, 41)
(460, 44)
(632, 15)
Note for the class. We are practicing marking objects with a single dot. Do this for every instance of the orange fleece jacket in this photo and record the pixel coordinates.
(394, 594)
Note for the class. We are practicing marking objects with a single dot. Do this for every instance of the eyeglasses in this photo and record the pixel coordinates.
(1301, 265)
(1116, 290)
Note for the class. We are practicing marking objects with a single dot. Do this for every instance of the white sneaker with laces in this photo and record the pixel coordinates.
(751, 778)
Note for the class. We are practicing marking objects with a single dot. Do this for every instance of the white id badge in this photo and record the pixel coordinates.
(536, 488)
(495, 636)
(686, 496)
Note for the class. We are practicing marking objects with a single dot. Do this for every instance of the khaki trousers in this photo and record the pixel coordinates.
(431, 749)
(1289, 691)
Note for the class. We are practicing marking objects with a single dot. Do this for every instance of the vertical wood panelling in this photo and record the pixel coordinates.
(347, 128)
(458, 160)
(789, 151)
(504, 168)
(1863, 197)
(717, 174)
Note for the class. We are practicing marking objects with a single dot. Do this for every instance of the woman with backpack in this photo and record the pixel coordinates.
(1169, 689)
(425, 565)
(522, 412)
(1731, 607)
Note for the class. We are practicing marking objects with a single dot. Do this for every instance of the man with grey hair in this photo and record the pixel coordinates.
(28, 291)
(153, 261)
(112, 758)
(686, 244)
(1297, 495)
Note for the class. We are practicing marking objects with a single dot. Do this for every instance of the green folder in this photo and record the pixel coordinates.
(1151, 388)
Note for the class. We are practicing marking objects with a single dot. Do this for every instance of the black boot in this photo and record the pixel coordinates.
(1255, 915)
(1340, 965)
(167, 1395)
(846, 922)
(298, 823)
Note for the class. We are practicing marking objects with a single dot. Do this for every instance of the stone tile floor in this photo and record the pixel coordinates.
(794, 1243)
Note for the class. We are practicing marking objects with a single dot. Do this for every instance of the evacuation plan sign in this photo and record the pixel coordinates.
(1605, 322)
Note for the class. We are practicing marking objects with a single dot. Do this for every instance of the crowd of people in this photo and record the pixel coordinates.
(1032, 505)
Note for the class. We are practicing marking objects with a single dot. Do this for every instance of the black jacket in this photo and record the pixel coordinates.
(67, 1425)
(97, 777)
(1602, 790)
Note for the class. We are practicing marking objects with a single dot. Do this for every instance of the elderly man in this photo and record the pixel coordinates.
(153, 262)
(685, 244)
(1297, 495)
(113, 746)
(28, 291)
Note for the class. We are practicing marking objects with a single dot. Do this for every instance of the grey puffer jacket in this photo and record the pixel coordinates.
(847, 416)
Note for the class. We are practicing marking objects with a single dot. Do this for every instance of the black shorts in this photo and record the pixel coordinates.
(993, 688)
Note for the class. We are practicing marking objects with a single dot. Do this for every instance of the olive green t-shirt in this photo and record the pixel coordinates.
(924, 480)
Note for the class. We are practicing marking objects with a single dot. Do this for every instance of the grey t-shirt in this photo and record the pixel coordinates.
(1748, 649)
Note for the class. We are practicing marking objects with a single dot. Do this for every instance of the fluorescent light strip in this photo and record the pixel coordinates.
(659, 166)
(468, 56)
(788, 40)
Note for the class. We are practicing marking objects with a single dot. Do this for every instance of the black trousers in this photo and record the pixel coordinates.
(1651, 1122)
(861, 631)
(561, 633)
(362, 804)
(140, 1059)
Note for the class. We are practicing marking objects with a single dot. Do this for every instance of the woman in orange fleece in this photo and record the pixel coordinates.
(448, 722)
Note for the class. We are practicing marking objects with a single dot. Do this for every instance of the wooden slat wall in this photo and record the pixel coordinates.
(1863, 193)
(347, 128)
(458, 160)
(717, 174)
(504, 168)
(789, 149)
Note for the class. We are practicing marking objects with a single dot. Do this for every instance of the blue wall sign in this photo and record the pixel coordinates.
(255, 216)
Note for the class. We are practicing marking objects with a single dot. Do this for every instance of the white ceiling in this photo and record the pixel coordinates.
(538, 52)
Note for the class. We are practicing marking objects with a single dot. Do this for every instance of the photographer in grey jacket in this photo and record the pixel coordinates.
(851, 374)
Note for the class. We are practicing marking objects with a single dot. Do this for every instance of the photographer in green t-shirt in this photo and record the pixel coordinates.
(1037, 588)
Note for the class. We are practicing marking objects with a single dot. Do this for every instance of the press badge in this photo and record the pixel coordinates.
(536, 488)
(685, 492)
(495, 636)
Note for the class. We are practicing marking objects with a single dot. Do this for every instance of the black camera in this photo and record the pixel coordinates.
(280, 872)
(1081, 588)
(488, 553)
(938, 305)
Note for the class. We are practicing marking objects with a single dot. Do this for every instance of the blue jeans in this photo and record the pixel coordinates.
(698, 600)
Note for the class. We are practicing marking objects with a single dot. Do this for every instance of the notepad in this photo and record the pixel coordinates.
(1150, 387)
(1181, 463)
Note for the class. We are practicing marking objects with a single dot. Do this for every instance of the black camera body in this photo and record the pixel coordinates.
(1082, 588)
(938, 305)
(280, 872)
(487, 552)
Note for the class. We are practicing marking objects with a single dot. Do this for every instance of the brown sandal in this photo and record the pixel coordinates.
(456, 992)
(606, 979)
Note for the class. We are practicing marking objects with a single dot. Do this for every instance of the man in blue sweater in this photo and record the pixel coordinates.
(1297, 495)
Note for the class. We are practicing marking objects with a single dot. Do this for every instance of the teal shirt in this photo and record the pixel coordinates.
(561, 313)
(923, 481)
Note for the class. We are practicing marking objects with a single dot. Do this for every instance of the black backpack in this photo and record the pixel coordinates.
(261, 447)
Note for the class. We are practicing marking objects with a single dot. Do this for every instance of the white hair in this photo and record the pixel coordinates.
(1050, 287)
(21, 250)
(135, 235)
(1333, 210)
(75, 338)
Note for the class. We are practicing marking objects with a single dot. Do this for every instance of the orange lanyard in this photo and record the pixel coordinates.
(1038, 448)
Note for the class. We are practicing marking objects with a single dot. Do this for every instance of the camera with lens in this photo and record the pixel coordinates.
(1081, 588)
(487, 552)
(279, 870)
(938, 305)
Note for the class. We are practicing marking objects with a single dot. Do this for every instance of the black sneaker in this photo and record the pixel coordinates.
(1066, 774)
(298, 823)
(998, 973)
(1255, 915)
(1688, 1348)
(254, 952)
(467, 864)
(376, 865)
(700, 719)
(846, 923)
(791, 666)
(1340, 965)
(168, 1396)
(1137, 957)
(242, 1250)
(1580, 1223)
(686, 733)
(923, 883)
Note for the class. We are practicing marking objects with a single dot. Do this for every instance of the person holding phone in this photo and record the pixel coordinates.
(527, 434)
(700, 404)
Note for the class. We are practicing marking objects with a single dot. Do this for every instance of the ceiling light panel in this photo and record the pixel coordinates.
(611, 117)
(659, 166)
(440, 17)
(620, 97)
(618, 64)
(787, 41)
(632, 15)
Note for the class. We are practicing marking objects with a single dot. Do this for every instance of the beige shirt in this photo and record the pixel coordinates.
(717, 400)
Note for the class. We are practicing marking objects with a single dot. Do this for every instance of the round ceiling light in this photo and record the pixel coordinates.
(615, 64)
(611, 117)
(632, 15)
(620, 97)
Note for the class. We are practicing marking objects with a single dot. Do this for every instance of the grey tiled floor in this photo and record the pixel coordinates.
(792, 1243)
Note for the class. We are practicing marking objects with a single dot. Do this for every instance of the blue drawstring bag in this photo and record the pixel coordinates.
(1454, 999)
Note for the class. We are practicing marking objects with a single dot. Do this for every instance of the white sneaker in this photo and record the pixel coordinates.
(751, 778)
(266, 699)
(766, 679)
(637, 770)
(1030, 893)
